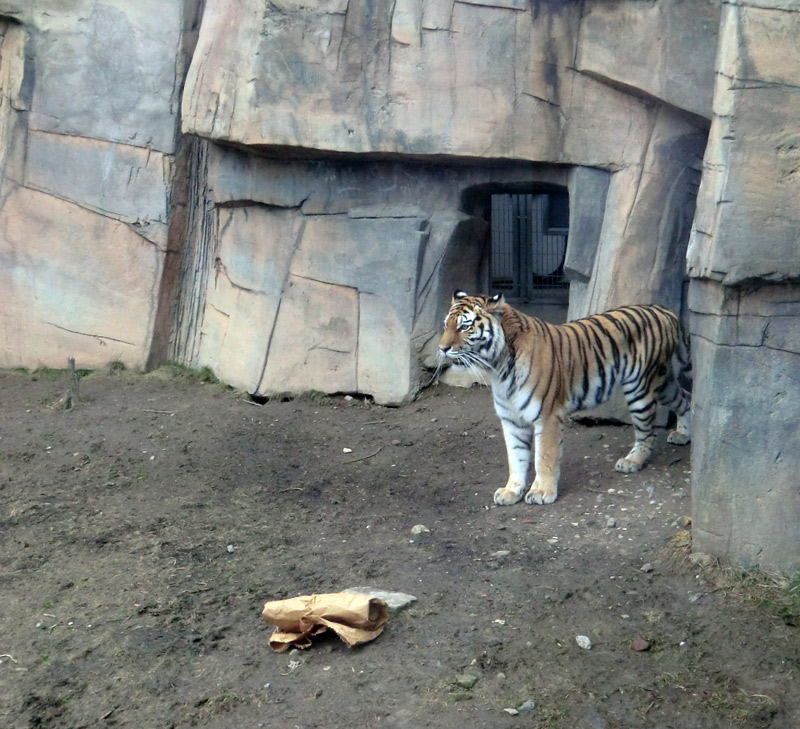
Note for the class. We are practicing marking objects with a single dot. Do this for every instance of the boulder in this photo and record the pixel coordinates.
(744, 260)
(46, 246)
(87, 142)
(751, 176)
(746, 445)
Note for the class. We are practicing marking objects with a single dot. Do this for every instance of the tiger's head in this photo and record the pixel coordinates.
(472, 334)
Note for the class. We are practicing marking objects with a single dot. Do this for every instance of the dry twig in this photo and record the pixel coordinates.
(364, 458)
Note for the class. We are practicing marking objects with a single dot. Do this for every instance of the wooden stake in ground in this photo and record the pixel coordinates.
(70, 398)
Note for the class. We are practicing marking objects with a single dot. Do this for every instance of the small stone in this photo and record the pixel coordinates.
(611, 522)
(583, 641)
(641, 644)
(529, 705)
(230, 548)
(466, 680)
(420, 529)
(347, 450)
(647, 567)
(511, 712)
(395, 601)
(501, 676)
(501, 555)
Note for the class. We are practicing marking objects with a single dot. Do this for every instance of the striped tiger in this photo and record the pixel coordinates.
(539, 372)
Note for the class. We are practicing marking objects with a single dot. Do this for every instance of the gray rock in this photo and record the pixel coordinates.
(466, 680)
(499, 557)
(395, 601)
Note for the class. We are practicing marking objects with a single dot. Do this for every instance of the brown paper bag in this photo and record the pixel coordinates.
(354, 618)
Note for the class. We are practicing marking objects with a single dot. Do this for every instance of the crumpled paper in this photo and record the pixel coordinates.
(354, 618)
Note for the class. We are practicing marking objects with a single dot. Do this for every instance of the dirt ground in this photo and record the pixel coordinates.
(142, 531)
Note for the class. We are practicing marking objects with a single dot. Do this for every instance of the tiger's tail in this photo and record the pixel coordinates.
(682, 357)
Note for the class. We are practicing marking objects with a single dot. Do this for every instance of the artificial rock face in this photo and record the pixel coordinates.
(87, 144)
(461, 86)
(744, 260)
(460, 94)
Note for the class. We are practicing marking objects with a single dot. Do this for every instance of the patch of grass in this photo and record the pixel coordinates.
(49, 373)
(176, 371)
(719, 696)
(773, 594)
(551, 717)
(725, 698)
(315, 396)
(116, 367)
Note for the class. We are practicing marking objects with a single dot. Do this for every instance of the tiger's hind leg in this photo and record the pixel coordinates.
(671, 395)
(642, 406)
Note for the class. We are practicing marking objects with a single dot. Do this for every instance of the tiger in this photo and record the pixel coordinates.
(539, 372)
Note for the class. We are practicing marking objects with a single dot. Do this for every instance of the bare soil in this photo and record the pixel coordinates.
(142, 530)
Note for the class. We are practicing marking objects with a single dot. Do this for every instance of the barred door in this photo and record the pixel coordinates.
(529, 240)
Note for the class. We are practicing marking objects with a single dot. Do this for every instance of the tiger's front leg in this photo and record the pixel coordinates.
(549, 438)
(519, 439)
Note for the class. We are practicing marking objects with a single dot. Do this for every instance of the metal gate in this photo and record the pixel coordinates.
(529, 241)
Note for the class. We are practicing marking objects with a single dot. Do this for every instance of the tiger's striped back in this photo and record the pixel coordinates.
(627, 347)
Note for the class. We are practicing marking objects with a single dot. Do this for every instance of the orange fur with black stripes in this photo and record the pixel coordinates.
(539, 372)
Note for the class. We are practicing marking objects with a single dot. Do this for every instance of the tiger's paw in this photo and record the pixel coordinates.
(626, 465)
(506, 496)
(539, 494)
(677, 438)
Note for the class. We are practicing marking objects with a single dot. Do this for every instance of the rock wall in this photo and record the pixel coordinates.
(94, 169)
(331, 275)
(88, 137)
(744, 260)
(445, 83)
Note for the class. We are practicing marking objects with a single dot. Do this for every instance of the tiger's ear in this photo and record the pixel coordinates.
(494, 303)
(459, 294)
